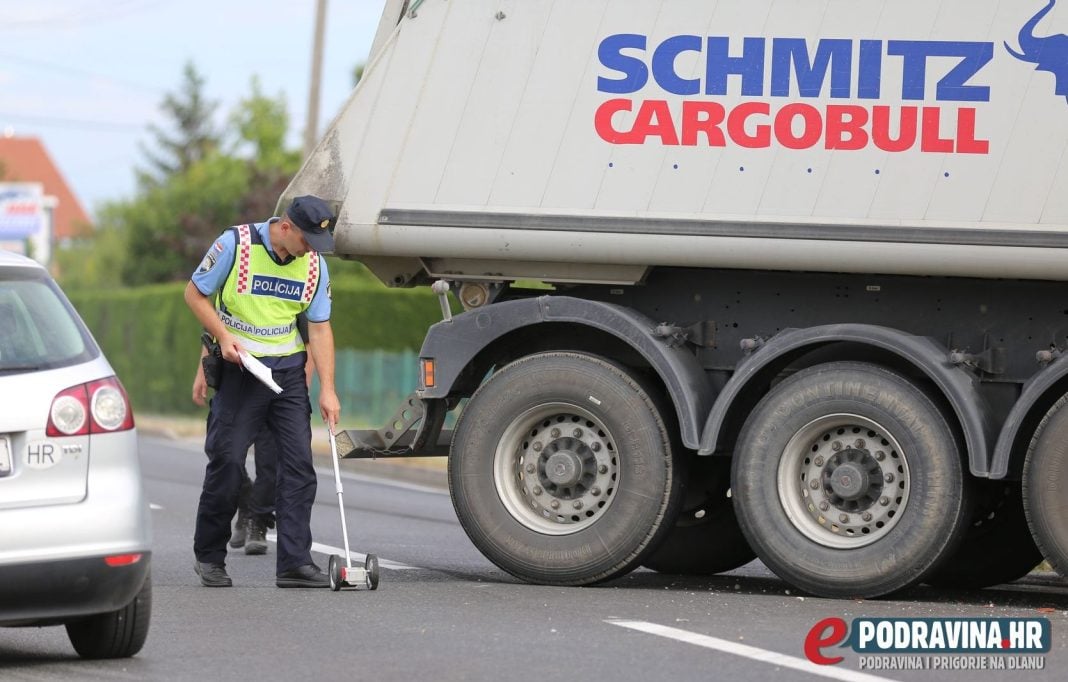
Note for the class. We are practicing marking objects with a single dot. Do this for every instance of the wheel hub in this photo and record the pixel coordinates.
(843, 481)
(556, 469)
(852, 480)
(565, 463)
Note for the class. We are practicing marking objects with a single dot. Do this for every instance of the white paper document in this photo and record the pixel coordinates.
(260, 371)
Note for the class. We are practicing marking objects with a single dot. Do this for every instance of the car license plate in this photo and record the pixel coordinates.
(5, 456)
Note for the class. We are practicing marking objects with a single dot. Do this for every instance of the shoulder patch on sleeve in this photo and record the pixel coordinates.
(210, 259)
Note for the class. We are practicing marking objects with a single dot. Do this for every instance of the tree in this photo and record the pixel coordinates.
(203, 182)
(213, 181)
(261, 124)
(169, 227)
(195, 137)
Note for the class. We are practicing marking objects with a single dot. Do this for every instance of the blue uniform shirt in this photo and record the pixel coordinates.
(219, 261)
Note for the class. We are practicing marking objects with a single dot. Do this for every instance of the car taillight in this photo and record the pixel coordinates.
(96, 407)
(70, 413)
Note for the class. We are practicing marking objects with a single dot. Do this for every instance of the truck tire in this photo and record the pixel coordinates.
(998, 521)
(1045, 478)
(706, 538)
(888, 502)
(116, 634)
(561, 470)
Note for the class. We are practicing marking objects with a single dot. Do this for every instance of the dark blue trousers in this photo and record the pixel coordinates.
(261, 496)
(240, 410)
(257, 499)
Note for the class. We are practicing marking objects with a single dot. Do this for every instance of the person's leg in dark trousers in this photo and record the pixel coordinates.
(263, 489)
(290, 423)
(238, 411)
(244, 500)
(261, 502)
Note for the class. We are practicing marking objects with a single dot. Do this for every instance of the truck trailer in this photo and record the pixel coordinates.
(739, 278)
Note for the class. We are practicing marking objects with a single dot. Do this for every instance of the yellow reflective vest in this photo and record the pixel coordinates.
(261, 299)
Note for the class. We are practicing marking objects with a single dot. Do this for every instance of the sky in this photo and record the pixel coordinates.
(87, 77)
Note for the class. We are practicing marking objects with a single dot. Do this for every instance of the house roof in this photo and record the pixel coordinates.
(24, 159)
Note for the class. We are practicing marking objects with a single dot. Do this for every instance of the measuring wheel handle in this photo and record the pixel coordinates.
(371, 566)
(336, 569)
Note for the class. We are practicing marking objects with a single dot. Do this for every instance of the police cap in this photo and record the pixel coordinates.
(315, 220)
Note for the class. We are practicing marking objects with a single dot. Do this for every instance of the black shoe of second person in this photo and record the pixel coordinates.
(308, 575)
(257, 536)
(212, 575)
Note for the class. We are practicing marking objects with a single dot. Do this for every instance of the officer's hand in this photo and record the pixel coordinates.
(329, 408)
(231, 348)
(200, 387)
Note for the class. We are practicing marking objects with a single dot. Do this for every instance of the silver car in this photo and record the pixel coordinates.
(75, 533)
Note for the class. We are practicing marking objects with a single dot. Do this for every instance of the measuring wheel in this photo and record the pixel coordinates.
(371, 567)
(335, 570)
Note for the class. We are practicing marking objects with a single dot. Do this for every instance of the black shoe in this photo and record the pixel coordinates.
(212, 575)
(237, 538)
(257, 536)
(308, 575)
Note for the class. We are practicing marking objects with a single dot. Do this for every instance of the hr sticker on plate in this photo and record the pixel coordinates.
(42, 454)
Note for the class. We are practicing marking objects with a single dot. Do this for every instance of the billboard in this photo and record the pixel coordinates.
(25, 217)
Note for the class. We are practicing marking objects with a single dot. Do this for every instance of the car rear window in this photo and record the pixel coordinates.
(38, 327)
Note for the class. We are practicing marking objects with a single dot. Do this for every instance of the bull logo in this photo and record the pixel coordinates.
(1047, 53)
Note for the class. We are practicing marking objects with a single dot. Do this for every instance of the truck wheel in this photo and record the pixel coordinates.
(561, 470)
(1045, 478)
(116, 634)
(848, 482)
(997, 522)
(706, 538)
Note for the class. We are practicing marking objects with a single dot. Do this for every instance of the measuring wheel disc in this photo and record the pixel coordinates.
(371, 566)
(335, 570)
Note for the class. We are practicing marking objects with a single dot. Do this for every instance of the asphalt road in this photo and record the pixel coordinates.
(443, 612)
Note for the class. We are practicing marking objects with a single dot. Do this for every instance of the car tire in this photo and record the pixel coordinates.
(116, 634)
(889, 499)
(561, 470)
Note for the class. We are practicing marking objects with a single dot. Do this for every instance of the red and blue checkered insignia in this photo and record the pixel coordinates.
(244, 246)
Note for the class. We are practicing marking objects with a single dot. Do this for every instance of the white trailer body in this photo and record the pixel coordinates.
(900, 136)
(804, 254)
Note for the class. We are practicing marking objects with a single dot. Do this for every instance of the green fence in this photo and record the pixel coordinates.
(370, 385)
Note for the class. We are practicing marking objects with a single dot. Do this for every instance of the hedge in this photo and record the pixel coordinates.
(152, 338)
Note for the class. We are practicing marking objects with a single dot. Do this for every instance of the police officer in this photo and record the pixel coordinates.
(255, 501)
(265, 275)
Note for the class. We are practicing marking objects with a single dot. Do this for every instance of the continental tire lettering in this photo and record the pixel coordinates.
(856, 389)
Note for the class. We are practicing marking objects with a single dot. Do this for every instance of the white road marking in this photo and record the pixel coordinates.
(356, 557)
(762, 655)
(154, 507)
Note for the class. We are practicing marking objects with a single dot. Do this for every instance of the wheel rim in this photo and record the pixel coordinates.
(844, 481)
(556, 469)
